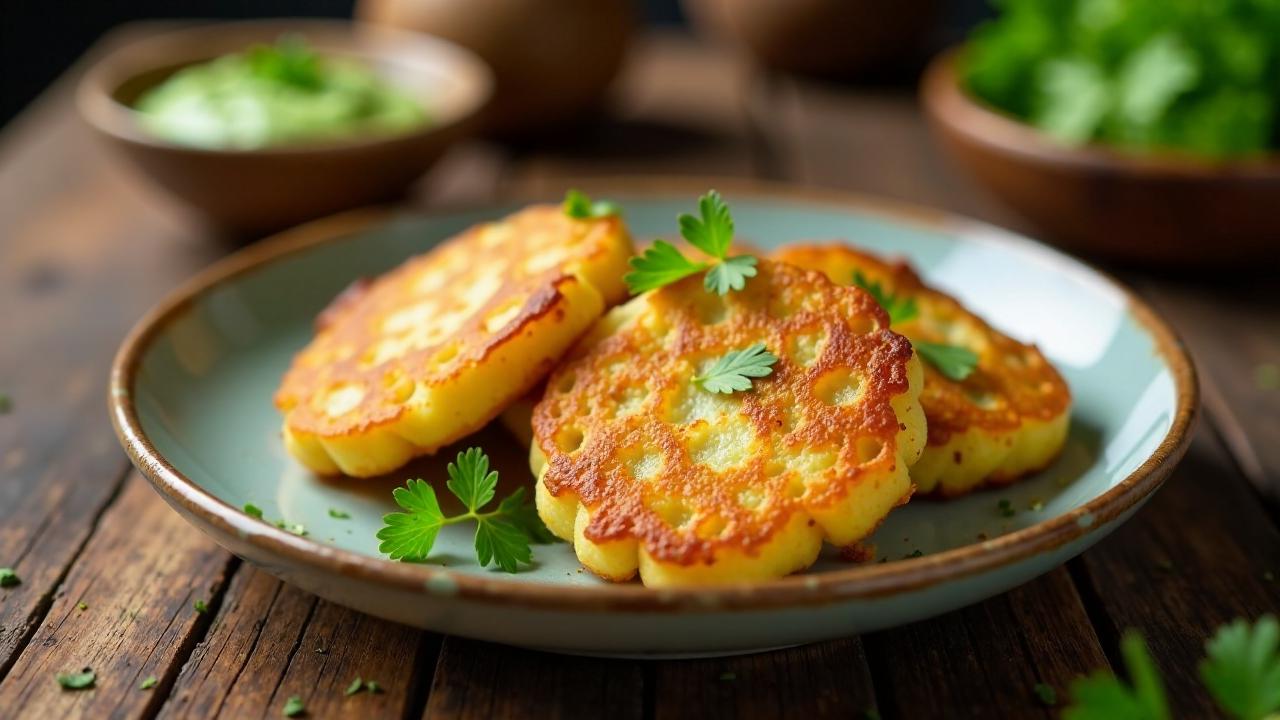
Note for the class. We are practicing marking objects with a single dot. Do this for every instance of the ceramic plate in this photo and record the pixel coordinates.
(191, 398)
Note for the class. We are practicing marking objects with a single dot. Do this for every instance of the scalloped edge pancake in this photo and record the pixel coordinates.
(435, 348)
(1007, 420)
(647, 473)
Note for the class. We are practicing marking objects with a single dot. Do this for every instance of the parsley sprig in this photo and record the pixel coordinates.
(502, 535)
(712, 233)
(733, 372)
(579, 206)
(1242, 672)
(953, 361)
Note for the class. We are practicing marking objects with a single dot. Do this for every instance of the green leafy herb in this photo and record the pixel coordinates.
(1138, 74)
(82, 606)
(712, 233)
(579, 206)
(9, 578)
(1102, 696)
(293, 707)
(1046, 694)
(339, 514)
(373, 687)
(502, 535)
(1242, 669)
(149, 683)
(953, 361)
(900, 309)
(660, 264)
(77, 680)
(200, 606)
(1005, 508)
(289, 61)
(733, 372)
(356, 686)
(253, 511)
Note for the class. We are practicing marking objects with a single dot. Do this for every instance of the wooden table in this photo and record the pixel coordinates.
(85, 248)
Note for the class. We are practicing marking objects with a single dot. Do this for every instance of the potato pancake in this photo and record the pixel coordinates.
(437, 347)
(646, 471)
(1007, 419)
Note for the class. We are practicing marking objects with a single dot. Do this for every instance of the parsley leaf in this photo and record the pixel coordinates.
(253, 511)
(293, 707)
(77, 681)
(502, 535)
(1243, 668)
(1102, 696)
(200, 606)
(149, 683)
(953, 361)
(337, 514)
(713, 232)
(9, 578)
(410, 535)
(356, 686)
(729, 275)
(733, 372)
(900, 309)
(660, 264)
(579, 206)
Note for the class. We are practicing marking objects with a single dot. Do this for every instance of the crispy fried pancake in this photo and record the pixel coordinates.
(1007, 419)
(434, 349)
(645, 471)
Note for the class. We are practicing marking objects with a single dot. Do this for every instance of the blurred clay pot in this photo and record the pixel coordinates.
(834, 38)
(552, 59)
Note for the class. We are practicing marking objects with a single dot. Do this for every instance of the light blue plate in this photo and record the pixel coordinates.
(192, 387)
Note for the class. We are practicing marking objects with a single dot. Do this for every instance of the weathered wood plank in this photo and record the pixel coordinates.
(1198, 555)
(823, 680)
(139, 620)
(485, 681)
(985, 660)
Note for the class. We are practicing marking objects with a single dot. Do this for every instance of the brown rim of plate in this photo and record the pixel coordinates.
(865, 581)
(947, 103)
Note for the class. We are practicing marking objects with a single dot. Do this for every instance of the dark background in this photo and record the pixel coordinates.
(39, 39)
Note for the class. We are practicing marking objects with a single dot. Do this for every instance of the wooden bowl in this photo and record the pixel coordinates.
(1149, 209)
(252, 191)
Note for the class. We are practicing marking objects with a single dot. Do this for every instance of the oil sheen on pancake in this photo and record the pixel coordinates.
(437, 347)
(1004, 421)
(647, 473)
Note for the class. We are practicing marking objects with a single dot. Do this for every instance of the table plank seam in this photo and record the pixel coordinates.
(41, 610)
(293, 651)
(426, 662)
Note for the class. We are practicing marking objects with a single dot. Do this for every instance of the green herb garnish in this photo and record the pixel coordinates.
(954, 362)
(1138, 74)
(9, 578)
(1242, 669)
(502, 535)
(579, 206)
(293, 707)
(900, 309)
(78, 680)
(1005, 508)
(200, 606)
(356, 686)
(295, 528)
(253, 511)
(339, 514)
(82, 606)
(712, 233)
(733, 372)
(149, 683)
(1103, 696)
(373, 687)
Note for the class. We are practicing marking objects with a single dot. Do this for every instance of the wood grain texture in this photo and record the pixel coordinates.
(485, 681)
(1198, 556)
(139, 620)
(823, 680)
(985, 661)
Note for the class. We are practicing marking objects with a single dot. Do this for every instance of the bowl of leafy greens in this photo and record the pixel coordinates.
(1143, 131)
(263, 124)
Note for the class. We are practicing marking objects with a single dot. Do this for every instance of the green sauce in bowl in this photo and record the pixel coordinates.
(273, 95)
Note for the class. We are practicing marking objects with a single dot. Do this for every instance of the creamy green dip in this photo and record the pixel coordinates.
(274, 95)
